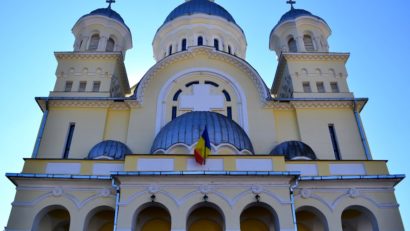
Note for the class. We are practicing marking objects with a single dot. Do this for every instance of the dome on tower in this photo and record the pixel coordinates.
(201, 7)
(107, 12)
(187, 128)
(293, 14)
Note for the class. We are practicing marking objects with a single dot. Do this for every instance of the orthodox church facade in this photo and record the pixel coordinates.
(293, 156)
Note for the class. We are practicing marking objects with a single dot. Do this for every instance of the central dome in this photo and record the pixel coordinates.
(201, 7)
(187, 128)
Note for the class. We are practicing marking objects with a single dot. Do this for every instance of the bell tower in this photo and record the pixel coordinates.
(95, 67)
(307, 69)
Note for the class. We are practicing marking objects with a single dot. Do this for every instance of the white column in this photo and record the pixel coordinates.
(300, 44)
(102, 44)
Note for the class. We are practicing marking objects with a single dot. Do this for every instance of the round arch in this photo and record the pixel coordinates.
(358, 217)
(152, 216)
(259, 216)
(205, 216)
(100, 219)
(309, 218)
(52, 217)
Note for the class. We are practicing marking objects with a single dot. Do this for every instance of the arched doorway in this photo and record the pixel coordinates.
(153, 217)
(259, 217)
(101, 219)
(206, 217)
(311, 219)
(53, 218)
(358, 218)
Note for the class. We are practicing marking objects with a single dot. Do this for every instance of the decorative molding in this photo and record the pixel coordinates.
(342, 57)
(89, 55)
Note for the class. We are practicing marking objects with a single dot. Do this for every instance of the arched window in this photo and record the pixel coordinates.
(170, 50)
(183, 45)
(200, 41)
(95, 40)
(292, 45)
(216, 44)
(110, 45)
(307, 39)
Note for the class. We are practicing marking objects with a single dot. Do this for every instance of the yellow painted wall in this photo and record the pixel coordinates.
(116, 127)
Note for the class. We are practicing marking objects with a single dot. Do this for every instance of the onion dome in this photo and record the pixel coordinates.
(187, 128)
(293, 14)
(200, 7)
(294, 150)
(109, 13)
(109, 149)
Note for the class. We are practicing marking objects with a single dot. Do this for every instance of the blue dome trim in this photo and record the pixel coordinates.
(293, 14)
(294, 149)
(109, 148)
(186, 129)
(200, 6)
(107, 12)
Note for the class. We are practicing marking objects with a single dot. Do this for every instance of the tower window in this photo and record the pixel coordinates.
(216, 44)
(292, 45)
(200, 41)
(110, 45)
(229, 50)
(320, 87)
(69, 140)
(183, 45)
(306, 87)
(96, 86)
(335, 144)
(307, 39)
(335, 87)
(95, 40)
(68, 86)
(170, 50)
(82, 86)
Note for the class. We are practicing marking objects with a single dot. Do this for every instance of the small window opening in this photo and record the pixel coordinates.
(200, 41)
(306, 87)
(96, 86)
(69, 140)
(82, 86)
(227, 96)
(335, 144)
(229, 112)
(216, 44)
(307, 39)
(95, 40)
(176, 96)
(183, 47)
(292, 45)
(320, 87)
(211, 83)
(174, 112)
(191, 83)
(170, 50)
(334, 87)
(68, 86)
(229, 50)
(110, 45)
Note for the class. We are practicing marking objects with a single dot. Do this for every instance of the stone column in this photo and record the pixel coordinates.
(102, 44)
(300, 44)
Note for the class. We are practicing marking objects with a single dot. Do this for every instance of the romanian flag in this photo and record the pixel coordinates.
(203, 148)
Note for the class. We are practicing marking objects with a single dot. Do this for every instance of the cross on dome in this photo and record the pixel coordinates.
(110, 2)
(291, 2)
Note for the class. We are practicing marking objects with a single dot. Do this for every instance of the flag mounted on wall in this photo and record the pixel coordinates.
(203, 148)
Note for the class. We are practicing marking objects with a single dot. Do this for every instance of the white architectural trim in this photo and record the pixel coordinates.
(240, 94)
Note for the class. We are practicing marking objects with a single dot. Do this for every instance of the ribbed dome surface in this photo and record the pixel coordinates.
(107, 12)
(296, 13)
(109, 148)
(294, 149)
(187, 128)
(199, 6)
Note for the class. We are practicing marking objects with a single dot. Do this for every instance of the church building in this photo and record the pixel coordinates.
(201, 143)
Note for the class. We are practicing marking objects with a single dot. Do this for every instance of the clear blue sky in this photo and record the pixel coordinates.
(376, 33)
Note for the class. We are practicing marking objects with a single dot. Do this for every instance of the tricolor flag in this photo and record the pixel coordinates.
(203, 148)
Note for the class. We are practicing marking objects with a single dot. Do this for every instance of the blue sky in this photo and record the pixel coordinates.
(376, 33)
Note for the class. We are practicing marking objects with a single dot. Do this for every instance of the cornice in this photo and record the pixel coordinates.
(111, 104)
(341, 57)
(291, 104)
(89, 55)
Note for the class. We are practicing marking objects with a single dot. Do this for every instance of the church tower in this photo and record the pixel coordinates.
(307, 68)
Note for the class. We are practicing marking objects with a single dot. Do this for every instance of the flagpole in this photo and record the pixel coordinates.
(205, 149)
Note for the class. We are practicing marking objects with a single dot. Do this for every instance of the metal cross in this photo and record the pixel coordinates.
(110, 2)
(291, 2)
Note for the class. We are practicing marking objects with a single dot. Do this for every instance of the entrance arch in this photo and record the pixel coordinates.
(311, 219)
(259, 217)
(206, 216)
(100, 219)
(152, 217)
(359, 218)
(52, 218)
